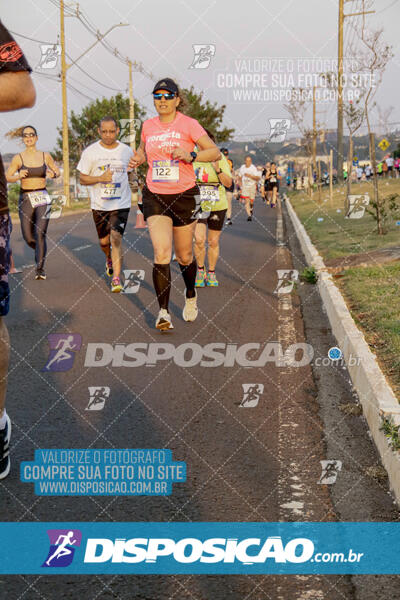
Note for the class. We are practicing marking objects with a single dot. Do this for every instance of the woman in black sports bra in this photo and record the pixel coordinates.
(32, 167)
(272, 177)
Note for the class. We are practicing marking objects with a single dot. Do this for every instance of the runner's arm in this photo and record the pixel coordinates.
(208, 151)
(223, 172)
(51, 164)
(13, 174)
(105, 177)
(138, 158)
(16, 90)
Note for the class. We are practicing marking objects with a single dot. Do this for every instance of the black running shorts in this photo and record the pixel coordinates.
(215, 221)
(182, 208)
(105, 220)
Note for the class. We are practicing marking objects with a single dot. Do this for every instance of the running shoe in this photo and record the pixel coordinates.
(212, 280)
(109, 267)
(40, 274)
(190, 310)
(163, 322)
(228, 222)
(5, 463)
(249, 218)
(116, 285)
(201, 278)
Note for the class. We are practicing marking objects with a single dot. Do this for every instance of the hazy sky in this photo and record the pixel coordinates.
(247, 37)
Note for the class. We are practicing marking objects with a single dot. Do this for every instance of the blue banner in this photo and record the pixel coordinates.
(199, 548)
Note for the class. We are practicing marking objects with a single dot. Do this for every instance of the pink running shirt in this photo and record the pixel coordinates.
(159, 141)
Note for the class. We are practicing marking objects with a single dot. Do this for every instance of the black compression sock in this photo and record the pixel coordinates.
(189, 277)
(162, 283)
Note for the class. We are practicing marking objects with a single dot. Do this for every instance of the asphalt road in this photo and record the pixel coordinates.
(259, 463)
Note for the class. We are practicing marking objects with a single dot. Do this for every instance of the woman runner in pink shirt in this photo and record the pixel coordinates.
(171, 198)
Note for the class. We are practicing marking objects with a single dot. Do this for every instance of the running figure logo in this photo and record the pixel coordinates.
(203, 54)
(97, 397)
(125, 135)
(330, 470)
(133, 279)
(50, 54)
(251, 394)
(54, 209)
(286, 280)
(62, 351)
(357, 206)
(63, 543)
(279, 129)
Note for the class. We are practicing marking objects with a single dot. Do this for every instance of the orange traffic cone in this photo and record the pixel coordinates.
(140, 224)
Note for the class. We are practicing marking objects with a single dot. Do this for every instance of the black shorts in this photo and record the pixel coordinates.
(215, 221)
(182, 208)
(5, 259)
(105, 220)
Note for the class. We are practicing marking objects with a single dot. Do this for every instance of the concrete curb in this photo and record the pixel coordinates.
(375, 394)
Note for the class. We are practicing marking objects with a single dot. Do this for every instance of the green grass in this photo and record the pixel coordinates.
(372, 294)
(336, 236)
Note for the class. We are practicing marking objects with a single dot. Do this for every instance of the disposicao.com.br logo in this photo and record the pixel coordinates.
(192, 550)
(216, 354)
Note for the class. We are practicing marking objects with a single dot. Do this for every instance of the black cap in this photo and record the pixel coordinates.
(224, 150)
(166, 84)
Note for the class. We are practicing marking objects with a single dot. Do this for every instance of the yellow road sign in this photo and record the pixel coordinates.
(384, 144)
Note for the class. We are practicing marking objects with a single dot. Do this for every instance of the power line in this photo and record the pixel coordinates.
(387, 8)
(71, 59)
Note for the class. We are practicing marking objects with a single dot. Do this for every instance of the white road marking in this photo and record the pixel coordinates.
(78, 248)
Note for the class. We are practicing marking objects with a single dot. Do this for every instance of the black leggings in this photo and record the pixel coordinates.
(34, 227)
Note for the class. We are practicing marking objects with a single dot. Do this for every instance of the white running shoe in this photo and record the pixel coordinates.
(163, 322)
(190, 310)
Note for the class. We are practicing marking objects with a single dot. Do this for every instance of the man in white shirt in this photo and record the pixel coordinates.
(389, 162)
(103, 167)
(249, 175)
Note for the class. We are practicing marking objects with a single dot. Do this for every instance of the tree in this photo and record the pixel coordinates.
(354, 114)
(83, 126)
(374, 58)
(209, 115)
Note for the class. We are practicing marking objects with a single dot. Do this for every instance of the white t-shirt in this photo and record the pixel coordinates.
(252, 170)
(389, 161)
(95, 160)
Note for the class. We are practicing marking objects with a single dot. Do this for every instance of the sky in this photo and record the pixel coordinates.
(253, 51)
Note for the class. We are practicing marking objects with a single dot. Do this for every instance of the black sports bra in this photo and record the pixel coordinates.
(35, 171)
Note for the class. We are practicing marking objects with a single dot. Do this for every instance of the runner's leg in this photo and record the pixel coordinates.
(26, 218)
(40, 230)
(160, 229)
(229, 200)
(4, 360)
(116, 251)
(200, 235)
(183, 242)
(213, 248)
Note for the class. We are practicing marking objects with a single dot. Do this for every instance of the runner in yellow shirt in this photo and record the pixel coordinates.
(212, 179)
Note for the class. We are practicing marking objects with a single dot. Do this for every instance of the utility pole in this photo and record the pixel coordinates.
(340, 95)
(342, 17)
(65, 141)
(132, 129)
(132, 175)
(314, 119)
(64, 68)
